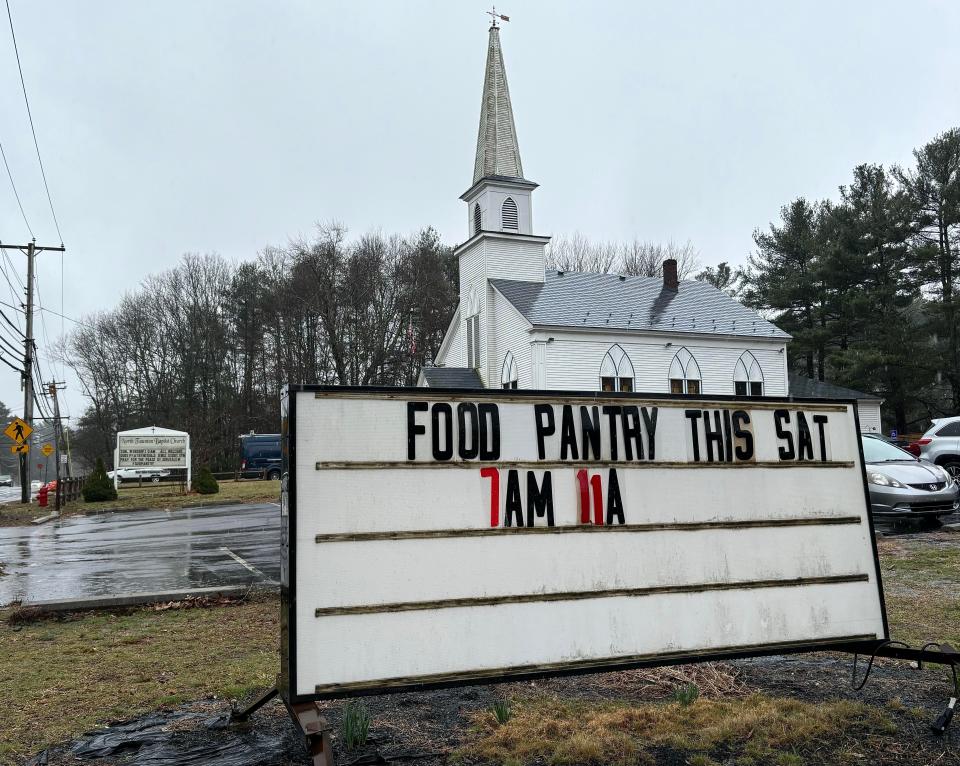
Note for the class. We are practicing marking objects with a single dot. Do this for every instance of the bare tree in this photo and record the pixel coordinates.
(645, 259)
(636, 258)
(577, 253)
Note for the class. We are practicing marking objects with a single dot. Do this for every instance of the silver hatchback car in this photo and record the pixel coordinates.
(904, 486)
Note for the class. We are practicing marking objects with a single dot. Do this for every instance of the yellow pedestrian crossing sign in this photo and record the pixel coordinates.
(18, 430)
(19, 449)
(47, 450)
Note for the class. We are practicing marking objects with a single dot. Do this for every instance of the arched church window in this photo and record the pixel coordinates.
(472, 313)
(747, 376)
(684, 373)
(477, 218)
(508, 373)
(508, 213)
(616, 370)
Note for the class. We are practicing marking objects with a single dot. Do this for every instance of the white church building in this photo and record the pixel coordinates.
(520, 325)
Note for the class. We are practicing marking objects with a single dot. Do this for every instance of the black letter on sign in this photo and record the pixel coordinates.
(539, 499)
(513, 504)
(489, 440)
(614, 502)
(465, 411)
(713, 434)
(568, 434)
(744, 449)
(727, 437)
(779, 418)
(694, 416)
(804, 440)
(630, 420)
(545, 428)
(413, 430)
(590, 431)
(650, 422)
(821, 421)
(447, 452)
(612, 411)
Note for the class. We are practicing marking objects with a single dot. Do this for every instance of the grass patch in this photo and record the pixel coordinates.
(921, 578)
(169, 496)
(355, 725)
(756, 728)
(60, 677)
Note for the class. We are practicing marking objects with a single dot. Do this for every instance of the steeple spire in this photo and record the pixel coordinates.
(498, 153)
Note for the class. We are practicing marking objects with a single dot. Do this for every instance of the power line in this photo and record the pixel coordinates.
(14, 187)
(12, 367)
(32, 129)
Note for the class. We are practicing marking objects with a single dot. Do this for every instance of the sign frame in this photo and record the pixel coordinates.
(287, 679)
(139, 433)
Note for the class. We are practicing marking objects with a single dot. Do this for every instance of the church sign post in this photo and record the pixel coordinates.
(434, 538)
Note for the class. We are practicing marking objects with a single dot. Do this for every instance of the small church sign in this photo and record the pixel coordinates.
(439, 537)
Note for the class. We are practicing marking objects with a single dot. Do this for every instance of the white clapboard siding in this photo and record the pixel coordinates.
(512, 335)
(514, 259)
(574, 364)
(454, 354)
(869, 414)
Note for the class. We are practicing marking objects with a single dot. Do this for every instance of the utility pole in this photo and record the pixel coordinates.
(57, 435)
(30, 250)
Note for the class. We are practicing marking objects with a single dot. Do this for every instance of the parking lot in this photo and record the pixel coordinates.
(140, 552)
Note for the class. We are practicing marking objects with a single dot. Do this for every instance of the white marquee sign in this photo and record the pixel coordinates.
(152, 447)
(437, 538)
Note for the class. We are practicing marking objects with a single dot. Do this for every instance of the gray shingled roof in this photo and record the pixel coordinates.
(498, 153)
(801, 385)
(452, 377)
(612, 302)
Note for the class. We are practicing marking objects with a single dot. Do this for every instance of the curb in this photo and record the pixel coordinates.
(139, 599)
(44, 519)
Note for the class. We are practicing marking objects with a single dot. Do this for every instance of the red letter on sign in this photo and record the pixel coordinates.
(494, 475)
(597, 488)
(584, 497)
(586, 484)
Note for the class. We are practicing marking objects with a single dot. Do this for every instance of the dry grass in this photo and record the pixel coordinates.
(712, 679)
(755, 729)
(60, 677)
(921, 578)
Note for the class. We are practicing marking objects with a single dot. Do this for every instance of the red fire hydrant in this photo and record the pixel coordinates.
(42, 496)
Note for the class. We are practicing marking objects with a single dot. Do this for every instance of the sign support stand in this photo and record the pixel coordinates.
(309, 720)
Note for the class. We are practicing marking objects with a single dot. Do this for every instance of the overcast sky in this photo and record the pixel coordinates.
(175, 126)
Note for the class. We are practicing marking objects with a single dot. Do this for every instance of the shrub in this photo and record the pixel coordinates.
(204, 483)
(98, 486)
(355, 725)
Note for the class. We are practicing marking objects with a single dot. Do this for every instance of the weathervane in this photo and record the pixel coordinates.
(494, 16)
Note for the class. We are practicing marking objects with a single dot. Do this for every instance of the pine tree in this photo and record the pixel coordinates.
(98, 487)
(205, 483)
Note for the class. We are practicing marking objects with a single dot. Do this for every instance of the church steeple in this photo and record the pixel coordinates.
(498, 153)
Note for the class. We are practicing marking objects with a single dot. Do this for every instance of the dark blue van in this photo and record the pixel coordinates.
(260, 456)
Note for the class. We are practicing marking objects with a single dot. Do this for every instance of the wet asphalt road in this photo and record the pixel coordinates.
(141, 551)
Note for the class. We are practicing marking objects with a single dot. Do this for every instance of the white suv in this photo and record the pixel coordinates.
(941, 444)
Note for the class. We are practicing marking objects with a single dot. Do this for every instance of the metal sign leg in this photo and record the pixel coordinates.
(309, 720)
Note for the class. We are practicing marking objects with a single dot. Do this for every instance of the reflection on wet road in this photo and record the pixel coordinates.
(141, 551)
